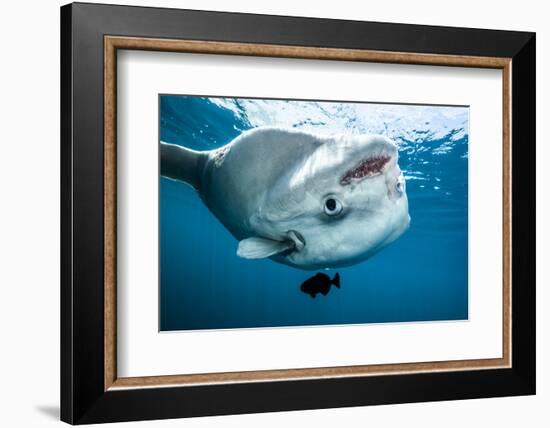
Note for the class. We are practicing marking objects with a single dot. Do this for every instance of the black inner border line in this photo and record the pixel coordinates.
(162, 94)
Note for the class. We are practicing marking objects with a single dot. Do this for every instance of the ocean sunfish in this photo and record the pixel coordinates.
(304, 200)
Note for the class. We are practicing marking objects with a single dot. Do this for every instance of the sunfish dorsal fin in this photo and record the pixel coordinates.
(181, 163)
(260, 248)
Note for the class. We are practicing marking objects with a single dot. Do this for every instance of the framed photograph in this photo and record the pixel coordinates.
(265, 213)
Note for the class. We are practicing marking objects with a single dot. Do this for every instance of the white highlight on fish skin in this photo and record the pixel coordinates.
(220, 154)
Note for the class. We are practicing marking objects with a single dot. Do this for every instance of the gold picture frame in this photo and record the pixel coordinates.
(114, 43)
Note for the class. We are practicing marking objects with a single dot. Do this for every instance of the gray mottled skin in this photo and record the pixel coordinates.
(269, 186)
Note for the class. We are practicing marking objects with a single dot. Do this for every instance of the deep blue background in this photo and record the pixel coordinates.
(423, 276)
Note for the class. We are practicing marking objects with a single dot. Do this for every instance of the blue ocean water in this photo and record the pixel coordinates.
(423, 276)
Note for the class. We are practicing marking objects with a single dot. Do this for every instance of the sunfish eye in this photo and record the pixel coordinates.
(332, 206)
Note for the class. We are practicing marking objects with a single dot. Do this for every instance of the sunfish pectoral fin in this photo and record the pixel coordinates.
(260, 248)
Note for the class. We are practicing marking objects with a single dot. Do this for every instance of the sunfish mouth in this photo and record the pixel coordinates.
(366, 168)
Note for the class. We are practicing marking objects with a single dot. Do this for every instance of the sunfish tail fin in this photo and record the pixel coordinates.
(336, 280)
(180, 163)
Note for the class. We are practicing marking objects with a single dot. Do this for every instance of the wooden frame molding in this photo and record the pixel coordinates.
(113, 43)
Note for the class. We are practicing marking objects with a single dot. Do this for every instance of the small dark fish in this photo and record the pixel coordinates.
(319, 283)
